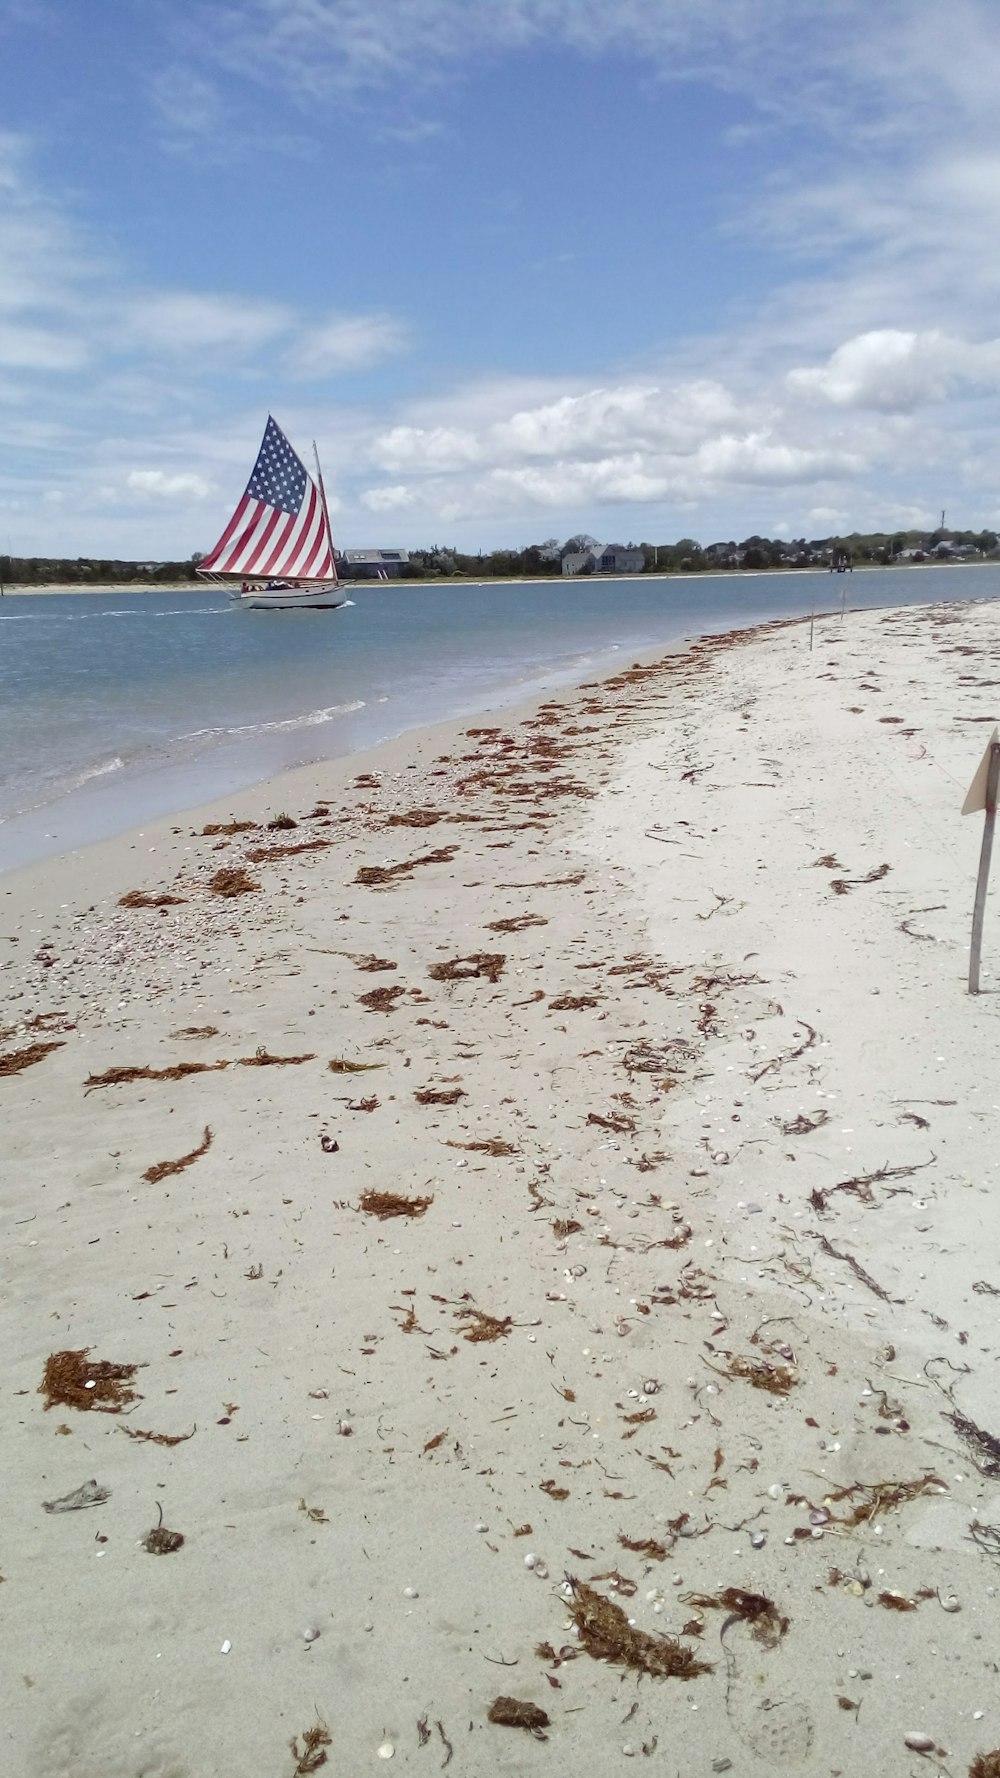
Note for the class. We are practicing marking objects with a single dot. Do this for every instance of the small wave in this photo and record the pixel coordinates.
(117, 764)
(311, 719)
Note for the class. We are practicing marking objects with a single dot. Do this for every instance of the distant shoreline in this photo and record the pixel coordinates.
(22, 592)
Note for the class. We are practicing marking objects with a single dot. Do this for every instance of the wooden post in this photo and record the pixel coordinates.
(979, 907)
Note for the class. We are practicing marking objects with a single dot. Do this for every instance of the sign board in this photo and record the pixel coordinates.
(976, 794)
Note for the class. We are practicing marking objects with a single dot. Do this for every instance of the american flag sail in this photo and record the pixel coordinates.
(280, 529)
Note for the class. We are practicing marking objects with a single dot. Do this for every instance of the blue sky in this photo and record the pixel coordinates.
(522, 267)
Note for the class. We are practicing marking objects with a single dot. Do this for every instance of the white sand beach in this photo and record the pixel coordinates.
(575, 1276)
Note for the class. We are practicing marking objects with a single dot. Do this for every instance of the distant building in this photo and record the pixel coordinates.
(372, 564)
(607, 558)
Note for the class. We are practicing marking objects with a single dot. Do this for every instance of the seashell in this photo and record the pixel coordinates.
(530, 1561)
(541, 1571)
(226, 1646)
(410, 1593)
(918, 1742)
(651, 1386)
(480, 1526)
(386, 1751)
(819, 1516)
(310, 1635)
(949, 1601)
(758, 1539)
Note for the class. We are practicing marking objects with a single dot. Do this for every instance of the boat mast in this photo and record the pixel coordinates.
(326, 512)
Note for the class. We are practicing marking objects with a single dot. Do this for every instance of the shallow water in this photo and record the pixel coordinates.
(118, 707)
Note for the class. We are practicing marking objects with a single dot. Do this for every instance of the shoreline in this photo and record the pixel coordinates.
(20, 592)
(697, 1145)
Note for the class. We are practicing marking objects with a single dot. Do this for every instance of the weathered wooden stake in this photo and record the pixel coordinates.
(986, 853)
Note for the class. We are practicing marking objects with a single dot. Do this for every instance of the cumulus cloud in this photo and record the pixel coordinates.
(896, 371)
(164, 486)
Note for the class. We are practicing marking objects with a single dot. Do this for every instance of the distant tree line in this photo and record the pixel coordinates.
(92, 570)
(543, 560)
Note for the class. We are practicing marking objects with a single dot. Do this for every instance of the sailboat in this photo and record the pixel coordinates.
(276, 553)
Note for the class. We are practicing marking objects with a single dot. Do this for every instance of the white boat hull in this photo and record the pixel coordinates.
(291, 598)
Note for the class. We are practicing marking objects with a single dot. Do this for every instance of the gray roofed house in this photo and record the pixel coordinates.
(372, 564)
(606, 558)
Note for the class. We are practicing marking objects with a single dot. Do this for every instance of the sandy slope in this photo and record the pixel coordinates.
(748, 1134)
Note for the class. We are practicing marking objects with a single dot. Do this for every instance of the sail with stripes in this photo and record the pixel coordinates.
(280, 530)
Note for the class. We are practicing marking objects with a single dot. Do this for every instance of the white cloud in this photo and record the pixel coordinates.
(391, 499)
(163, 486)
(345, 343)
(188, 321)
(896, 372)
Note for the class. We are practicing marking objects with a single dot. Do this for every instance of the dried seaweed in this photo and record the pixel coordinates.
(232, 882)
(316, 1513)
(553, 1490)
(416, 818)
(70, 1380)
(618, 1121)
(860, 1186)
(373, 876)
(766, 1624)
(372, 1103)
(844, 885)
(315, 1741)
(881, 1497)
(572, 1002)
(340, 1065)
(802, 1125)
(515, 1713)
(986, 1765)
(381, 999)
(493, 1145)
(196, 1031)
(168, 1439)
(263, 1059)
(281, 823)
(858, 1270)
(388, 1204)
(899, 1601)
(646, 1546)
(229, 827)
(117, 1077)
(17, 1060)
(164, 1169)
(984, 1447)
(373, 964)
(462, 969)
(270, 854)
(605, 1633)
(160, 1541)
(439, 1095)
(564, 1226)
(776, 1379)
(138, 898)
(791, 1055)
(517, 923)
(482, 1326)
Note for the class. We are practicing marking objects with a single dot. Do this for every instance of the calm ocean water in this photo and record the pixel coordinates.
(119, 707)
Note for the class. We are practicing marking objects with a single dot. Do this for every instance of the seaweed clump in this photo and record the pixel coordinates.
(517, 1713)
(606, 1635)
(986, 1765)
(315, 1741)
(387, 1204)
(439, 1095)
(138, 898)
(165, 1169)
(232, 882)
(481, 1326)
(766, 1623)
(17, 1060)
(70, 1380)
(117, 1077)
(264, 1059)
